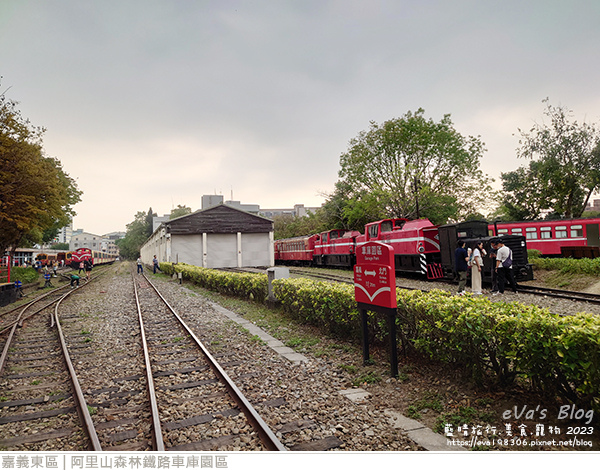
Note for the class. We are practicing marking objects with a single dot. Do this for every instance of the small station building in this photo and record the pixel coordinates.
(218, 237)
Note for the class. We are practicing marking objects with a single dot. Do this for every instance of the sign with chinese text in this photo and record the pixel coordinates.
(374, 275)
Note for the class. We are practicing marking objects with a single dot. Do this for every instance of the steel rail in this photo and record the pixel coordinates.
(82, 408)
(157, 437)
(559, 293)
(267, 436)
(21, 318)
(12, 327)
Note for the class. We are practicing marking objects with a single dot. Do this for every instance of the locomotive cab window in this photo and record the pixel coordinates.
(576, 230)
(561, 231)
(399, 223)
(531, 233)
(373, 231)
(546, 232)
(387, 226)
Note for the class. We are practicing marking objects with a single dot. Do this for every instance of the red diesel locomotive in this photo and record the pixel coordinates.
(415, 242)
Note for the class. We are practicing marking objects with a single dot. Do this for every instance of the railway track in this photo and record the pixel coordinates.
(193, 392)
(39, 389)
(561, 294)
(177, 398)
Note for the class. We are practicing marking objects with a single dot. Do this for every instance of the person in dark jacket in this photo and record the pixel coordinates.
(461, 258)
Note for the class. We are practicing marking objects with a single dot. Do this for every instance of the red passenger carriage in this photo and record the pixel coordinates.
(566, 237)
(295, 251)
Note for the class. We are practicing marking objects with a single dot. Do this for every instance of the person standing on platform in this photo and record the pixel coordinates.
(461, 257)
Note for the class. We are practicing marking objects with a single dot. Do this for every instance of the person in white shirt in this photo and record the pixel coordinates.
(504, 268)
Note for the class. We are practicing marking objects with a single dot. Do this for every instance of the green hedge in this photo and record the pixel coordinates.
(586, 266)
(25, 275)
(556, 355)
(252, 286)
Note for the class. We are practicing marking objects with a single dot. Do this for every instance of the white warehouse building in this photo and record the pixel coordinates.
(218, 237)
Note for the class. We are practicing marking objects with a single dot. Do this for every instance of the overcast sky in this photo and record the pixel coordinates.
(155, 103)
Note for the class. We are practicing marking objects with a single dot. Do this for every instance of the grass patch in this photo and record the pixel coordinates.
(369, 377)
(273, 321)
(462, 415)
(302, 342)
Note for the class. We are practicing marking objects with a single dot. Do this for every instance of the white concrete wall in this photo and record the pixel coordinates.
(211, 250)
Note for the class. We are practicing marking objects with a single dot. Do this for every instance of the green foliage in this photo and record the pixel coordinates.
(494, 340)
(289, 226)
(25, 275)
(564, 170)
(412, 167)
(586, 266)
(533, 254)
(236, 284)
(180, 211)
(36, 195)
(137, 234)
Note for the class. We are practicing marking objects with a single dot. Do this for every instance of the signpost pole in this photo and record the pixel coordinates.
(365, 336)
(393, 347)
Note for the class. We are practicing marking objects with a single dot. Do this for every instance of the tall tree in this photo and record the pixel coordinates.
(180, 211)
(149, 224)
(413, 167)
(288, 226)
(565, 165)
(36, 195)
(136, 235)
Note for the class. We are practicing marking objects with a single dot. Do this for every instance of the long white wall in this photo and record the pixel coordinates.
(211, 250)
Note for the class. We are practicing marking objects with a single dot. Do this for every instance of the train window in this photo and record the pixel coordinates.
(461, 234)
(531, 233)
(399, 223)
(516, 231)
(387, 226)
(502, 230)
(373, 231)
(576, 230)
(545, 232)
(333, 235)
(561, 231)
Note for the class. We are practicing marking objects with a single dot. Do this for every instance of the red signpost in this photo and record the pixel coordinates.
(375, 290)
